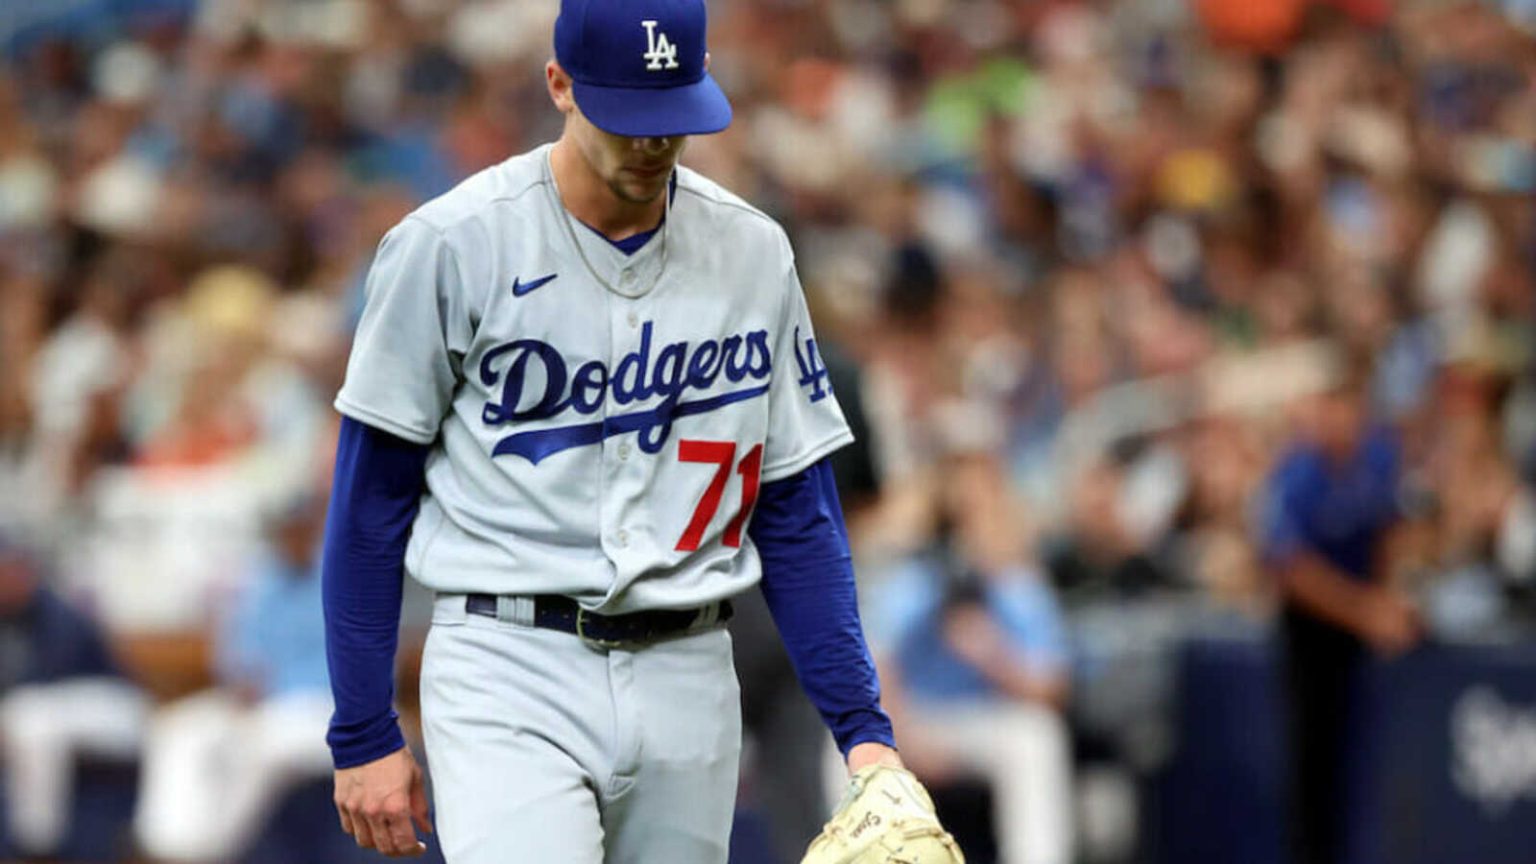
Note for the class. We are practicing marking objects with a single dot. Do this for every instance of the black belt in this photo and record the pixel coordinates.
(557, 612)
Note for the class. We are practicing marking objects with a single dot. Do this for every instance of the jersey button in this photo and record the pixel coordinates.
(623, 537)
(627, 277)
(623, 449)
(634, 320)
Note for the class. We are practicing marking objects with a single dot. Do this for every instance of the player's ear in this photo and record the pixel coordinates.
(558, 82)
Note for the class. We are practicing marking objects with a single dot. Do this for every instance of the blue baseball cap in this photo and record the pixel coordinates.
(638, 66)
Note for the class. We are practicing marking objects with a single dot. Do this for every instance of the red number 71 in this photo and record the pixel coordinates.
(722, 454)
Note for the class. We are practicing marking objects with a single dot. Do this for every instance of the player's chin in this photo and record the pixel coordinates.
(642, 187)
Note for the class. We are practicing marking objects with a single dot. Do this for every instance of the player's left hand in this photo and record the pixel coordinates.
(377, 802)
(871, 753)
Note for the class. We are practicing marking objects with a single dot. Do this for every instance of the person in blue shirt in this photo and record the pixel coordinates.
(972, 649)
(217, 761)
(1330, 509)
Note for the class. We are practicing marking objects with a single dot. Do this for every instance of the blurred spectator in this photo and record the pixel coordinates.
(1134, 231)
(62, 699)
(975, 667)
(216, 762)
(1332, 506)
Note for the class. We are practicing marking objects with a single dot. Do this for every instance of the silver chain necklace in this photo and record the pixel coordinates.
(570, 232)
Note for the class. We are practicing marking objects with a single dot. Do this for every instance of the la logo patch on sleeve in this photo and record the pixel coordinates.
(813, 373)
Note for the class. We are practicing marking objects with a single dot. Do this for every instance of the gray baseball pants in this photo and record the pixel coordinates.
(542, 749)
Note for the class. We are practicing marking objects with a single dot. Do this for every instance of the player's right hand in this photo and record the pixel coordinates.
(378, 800)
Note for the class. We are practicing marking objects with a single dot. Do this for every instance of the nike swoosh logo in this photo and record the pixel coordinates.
(519, 287)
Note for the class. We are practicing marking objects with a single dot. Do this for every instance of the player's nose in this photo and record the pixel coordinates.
(652, 145)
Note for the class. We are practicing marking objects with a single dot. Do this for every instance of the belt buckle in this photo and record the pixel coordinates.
(581, 633)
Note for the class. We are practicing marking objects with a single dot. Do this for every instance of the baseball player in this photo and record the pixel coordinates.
(584, 406)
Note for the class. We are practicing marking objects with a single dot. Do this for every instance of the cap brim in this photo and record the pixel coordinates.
(699, 108)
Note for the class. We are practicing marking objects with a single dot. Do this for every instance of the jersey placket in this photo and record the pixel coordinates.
(619, 452)
(624, 533)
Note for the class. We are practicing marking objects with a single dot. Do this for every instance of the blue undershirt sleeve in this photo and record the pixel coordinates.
(374, 499)
(808, 583)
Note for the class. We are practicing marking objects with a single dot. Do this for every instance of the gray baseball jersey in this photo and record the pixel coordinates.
(600, 422)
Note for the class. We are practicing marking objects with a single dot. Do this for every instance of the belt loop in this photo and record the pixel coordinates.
(450, 608)
(514, 610)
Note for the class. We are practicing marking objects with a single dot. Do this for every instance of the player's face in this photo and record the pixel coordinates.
(636, 170)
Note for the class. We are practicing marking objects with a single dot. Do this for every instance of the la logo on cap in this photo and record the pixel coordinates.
(658, 48)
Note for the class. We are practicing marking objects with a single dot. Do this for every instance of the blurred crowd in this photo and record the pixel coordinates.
(1093, 266)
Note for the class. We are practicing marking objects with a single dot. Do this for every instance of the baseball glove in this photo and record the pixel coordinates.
(885, 817)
